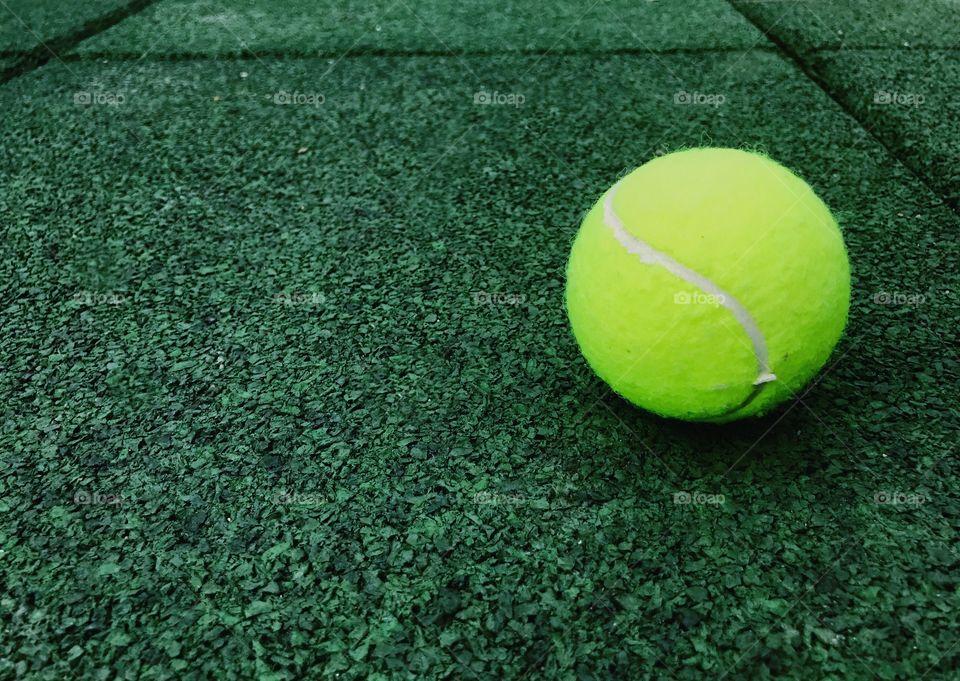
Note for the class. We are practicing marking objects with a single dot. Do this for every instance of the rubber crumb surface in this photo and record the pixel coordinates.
(851, 24)
(25, 24)
(289, 388)
(244, 27)
(907, 99)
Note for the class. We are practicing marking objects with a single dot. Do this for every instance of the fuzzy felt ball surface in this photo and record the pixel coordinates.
(709, 284)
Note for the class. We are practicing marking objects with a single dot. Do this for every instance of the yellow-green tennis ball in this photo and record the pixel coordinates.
(708, 285)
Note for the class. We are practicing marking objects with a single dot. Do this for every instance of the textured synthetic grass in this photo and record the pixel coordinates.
(331, 27)
(25, 24)
(897, 24)
(313, 359)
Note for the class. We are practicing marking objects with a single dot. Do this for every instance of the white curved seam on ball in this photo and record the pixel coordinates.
(651, 256)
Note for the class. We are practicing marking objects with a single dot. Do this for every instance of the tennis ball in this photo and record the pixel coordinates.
(708, 285)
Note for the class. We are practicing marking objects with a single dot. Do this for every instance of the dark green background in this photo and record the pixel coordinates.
(256, 423)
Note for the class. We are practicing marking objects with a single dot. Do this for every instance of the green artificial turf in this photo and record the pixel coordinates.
(329, 27)
(858, 24)
(25, 24)
(262, 421)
